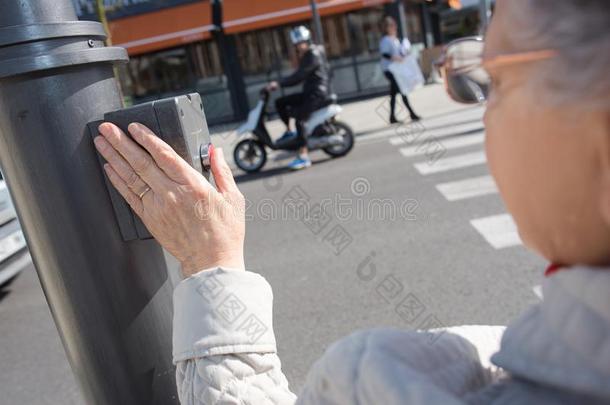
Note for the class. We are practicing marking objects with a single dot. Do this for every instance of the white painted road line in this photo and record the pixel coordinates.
(451, 143)
(411, 135)
(499, 230)
(400, 140)
(538, 291)
(467, 188)
(450, 163)
(375, 137)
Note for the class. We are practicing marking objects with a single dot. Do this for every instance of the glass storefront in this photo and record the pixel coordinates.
(351, 42)
(366, 28)
(459, 23)
(264, 55)
(352, 47)
(194, 67)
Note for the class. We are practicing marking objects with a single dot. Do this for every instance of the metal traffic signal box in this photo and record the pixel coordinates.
(180, 122)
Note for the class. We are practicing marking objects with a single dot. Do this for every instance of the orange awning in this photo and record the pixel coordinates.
(456, 4)
(193, 22)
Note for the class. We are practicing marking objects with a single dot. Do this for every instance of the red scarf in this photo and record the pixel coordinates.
(553, 268)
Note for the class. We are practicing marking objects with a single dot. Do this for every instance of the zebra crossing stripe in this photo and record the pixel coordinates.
(537, 289)
(452, 143)
(412, 134)
(467, 188)
(499, 231)
(450, 163)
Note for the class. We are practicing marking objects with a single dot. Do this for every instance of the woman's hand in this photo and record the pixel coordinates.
(201, 226)
(272, 86)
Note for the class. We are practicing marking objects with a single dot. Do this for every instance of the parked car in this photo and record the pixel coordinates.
(14, 254)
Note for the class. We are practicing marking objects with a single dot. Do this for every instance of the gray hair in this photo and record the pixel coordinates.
(579, 30)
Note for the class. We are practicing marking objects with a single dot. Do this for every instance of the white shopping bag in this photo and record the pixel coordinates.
(407, 74)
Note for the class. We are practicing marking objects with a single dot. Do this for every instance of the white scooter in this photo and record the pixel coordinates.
(323, 131)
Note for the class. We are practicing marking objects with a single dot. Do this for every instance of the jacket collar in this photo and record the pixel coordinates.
(565, 340)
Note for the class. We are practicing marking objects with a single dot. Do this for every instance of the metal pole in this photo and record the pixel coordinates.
(230, 63)
(484, 14)
(111, 300)
(427, 25)
(402, 18)
(317, 22)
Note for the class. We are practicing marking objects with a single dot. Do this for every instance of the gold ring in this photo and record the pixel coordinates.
(146, 190)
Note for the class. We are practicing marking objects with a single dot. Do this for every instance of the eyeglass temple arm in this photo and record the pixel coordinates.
(503, 60)
(524, 57)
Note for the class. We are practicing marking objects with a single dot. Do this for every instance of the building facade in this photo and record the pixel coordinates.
(175, 47)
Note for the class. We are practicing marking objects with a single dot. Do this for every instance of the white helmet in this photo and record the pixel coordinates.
(300, 34)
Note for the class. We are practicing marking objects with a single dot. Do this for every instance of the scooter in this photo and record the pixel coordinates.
(322, 129)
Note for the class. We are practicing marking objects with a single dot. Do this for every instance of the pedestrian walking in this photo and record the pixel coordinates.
(393, 50)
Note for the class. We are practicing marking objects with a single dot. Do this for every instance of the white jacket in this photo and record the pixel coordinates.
(557, 352)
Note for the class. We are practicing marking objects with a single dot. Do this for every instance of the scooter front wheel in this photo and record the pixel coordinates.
(346, 132)
(250, 155)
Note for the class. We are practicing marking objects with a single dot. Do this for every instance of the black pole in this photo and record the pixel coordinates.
(427, 25)
(402, 18)
(230, 62)
(396, 10)
(317, 22)
(111, 300)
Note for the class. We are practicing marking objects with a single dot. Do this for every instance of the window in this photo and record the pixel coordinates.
(157, 73)
(366, 28)
(193, 67)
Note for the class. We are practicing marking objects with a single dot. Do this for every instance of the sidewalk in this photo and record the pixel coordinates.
(367, 118)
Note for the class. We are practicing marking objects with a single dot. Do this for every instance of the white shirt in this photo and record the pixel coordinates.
(393, 47)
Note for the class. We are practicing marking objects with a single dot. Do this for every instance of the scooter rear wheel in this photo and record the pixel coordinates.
(250, 155)
(341, 128)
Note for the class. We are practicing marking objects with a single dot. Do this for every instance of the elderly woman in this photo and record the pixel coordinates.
(548, 146)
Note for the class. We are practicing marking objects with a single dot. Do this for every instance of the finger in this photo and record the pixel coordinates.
(164, 156)
(223, 177)
(139, 160)
(132, 199)
(119, 165)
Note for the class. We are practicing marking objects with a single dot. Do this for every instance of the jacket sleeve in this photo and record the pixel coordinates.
(223, 342)
(308, 64)
(395, 367)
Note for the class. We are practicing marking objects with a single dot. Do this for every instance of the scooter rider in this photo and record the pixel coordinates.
(313, 72)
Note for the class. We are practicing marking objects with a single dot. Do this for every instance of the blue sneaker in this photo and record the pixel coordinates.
(299, 163)
(287, 135)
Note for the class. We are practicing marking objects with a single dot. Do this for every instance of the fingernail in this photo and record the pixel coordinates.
(102, 128)
(98, 141)
(133, 127)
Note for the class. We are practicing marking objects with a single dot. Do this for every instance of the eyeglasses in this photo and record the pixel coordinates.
(464, 69)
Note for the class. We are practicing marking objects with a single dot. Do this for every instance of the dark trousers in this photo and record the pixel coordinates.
(298, 106)
(394, 90)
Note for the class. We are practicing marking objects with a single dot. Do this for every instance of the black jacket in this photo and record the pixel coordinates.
(313, 72)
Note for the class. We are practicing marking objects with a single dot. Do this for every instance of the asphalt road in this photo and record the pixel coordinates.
(371, 243)
(33, 365)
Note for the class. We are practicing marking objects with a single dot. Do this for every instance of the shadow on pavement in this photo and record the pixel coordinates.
(4, 288)
(3, 293)
(461, 133)
(428, 128)
(276, 171)
(246, 177)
